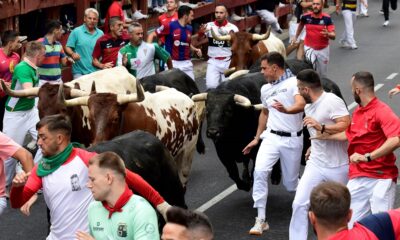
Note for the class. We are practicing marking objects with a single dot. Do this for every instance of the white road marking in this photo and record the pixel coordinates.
(217, 198)
(233, 187)
(391, 76)
(354, 104)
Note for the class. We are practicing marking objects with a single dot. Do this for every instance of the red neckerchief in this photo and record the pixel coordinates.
(122, 200)
(224, 23)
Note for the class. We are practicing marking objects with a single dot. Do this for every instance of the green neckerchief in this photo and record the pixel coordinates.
(50, 164)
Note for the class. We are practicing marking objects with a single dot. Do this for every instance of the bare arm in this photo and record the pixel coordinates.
(151, 36)
(169, 63)
(100, 65)
(387, 147)
(262, 124)
(71, 53)
(340, 125)
(25, 158)
(299, 29)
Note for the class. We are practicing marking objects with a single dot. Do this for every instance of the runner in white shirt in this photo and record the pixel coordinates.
(219, 52)
(328, 160)
(280, 127)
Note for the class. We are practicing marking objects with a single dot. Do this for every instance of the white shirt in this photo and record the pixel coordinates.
(284, 92)
(327, 153)
(219, 48)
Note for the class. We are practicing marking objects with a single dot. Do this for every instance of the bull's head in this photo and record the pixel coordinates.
(242, 47)
(105, 111)
(220, 108)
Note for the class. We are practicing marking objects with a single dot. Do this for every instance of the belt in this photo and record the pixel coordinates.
(220, 58)
(287, 134)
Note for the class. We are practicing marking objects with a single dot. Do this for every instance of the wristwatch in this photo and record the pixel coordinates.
(368, 157)
(322, 128)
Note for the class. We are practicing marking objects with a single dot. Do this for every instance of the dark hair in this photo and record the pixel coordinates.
(113, 20)
(109, 160)
(197, 223)
(274, 58)
(184, 11)
(56, 123)
(310, 78)
(365, 79)
(330, 202)
(8, 36)
(222, 5)
(52, 25)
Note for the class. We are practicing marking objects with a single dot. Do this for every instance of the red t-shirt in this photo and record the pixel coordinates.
(107, 47)
(314, 26)
(357, 232)
(115, 10)
(7, 64)
(165, 19)
(371, 126)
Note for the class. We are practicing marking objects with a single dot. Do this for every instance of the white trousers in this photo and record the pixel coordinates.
(185, 66)
(319, 58)
(215, 71)
(274, 147)
(17, 125)
(363, 9)
(370, 196)
(269, 18)
(3, 204)
(293, 29)
(312, 176)
(349, 18)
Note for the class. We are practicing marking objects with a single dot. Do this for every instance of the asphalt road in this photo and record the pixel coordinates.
(232, 214)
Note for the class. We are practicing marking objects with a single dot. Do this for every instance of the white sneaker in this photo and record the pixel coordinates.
(354, 46)
(191, 5)
(158, 9)
(235, 17)
(138, 15)
(386, 23)
(344, 44)
(259, 227)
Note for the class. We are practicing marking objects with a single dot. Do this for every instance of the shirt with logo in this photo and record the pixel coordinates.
(50, 68)
(165, 19)
(370, 127)
(137, 220)
(219, 48)
(25, 72)
(7, 65)
(177, 40)
(141, 58)
(107, 47)
(314, 25)
(284, 91)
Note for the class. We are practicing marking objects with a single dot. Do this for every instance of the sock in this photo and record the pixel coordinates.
(261, 213)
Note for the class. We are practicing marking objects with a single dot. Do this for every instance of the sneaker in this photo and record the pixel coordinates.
(191, 5)
(344, 44)
(138, 15)
(381, 11)
(386, 23)
(259, 227)
(158, 10)
(353, 47)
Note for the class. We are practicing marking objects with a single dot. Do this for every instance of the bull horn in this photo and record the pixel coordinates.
(229, 71)
(258, 106)
(160, 88)
(220, 38)
(139, 91)
(29, 92)
(199, 97)
(127, 98)
(79, 101)
(258, 37)
(242, 101)
(78, 93)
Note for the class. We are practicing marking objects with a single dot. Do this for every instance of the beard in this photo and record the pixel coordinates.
(307, 98)
(316, 11)
(357, 98)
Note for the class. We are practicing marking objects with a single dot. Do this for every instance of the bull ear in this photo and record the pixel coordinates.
(93, 91)
(199, 97)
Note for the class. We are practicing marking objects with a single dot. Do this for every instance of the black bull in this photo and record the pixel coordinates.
(232, 126)
(145, 155)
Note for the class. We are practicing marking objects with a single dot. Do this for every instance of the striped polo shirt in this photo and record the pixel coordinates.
(50, 69)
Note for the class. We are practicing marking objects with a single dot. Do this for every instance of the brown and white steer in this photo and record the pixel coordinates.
(169, 114)
(114, 80)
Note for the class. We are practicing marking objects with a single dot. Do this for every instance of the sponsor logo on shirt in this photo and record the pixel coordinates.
(149, 228)
(122, 230)
(179, 43)
(98, 227)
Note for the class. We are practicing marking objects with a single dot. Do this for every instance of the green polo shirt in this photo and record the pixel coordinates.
(83, 42)
(23, 73)
(137, 221)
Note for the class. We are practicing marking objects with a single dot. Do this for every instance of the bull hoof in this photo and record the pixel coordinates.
(243, 186)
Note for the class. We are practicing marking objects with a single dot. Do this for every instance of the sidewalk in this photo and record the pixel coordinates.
(200, 65)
